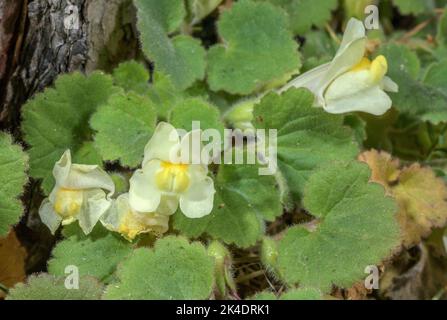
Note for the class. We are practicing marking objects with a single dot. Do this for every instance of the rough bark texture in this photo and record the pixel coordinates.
(40, 39)
(58, 36)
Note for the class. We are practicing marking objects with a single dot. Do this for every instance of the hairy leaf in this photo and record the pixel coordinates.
(48, 287)
(182, 57)
(254, 54)
(303, 14)
(132, 76)
(13, 164)
(243, 200)
(356, 228)
(57, 120)
(123, 127)
(307, 140)
(173, 270)
(96, 254)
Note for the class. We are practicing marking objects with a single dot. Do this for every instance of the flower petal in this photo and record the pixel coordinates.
(112, 217)
(310, 79)
(121, 218)
(348, 84)
(49, 217)
(372, 100)
(168, 205)
(62, 168)
(198, 200)
(163, 145)
(95, 206)
(191, 148)
(389, 85)
(144, 196)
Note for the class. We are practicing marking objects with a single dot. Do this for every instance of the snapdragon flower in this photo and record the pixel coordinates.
(169, 178)
(78, 195)
(350, 82)
(129, 223)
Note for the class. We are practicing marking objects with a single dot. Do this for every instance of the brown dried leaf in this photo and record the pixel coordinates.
(385, 170)
(420, 194)
(12, 261)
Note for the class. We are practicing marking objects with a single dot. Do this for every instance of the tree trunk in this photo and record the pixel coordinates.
(43, 38)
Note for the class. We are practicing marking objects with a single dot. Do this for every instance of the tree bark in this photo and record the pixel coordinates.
(44, 38)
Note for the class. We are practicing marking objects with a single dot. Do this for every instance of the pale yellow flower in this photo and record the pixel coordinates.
(169, 178)
(79, 195)
(350, 82)
(130, 223)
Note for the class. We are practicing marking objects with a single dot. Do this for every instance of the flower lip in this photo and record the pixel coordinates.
(68, 202)
(172, 177)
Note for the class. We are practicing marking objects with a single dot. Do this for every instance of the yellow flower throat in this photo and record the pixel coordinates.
(172, 177)
(378, 67)
(68, 202)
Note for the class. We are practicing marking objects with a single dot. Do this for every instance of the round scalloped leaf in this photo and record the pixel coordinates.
(309, 139)
(196, 109)
(132, 76)
(13, 164)
(173, 270)
(123, 127)
(48, 287)
(96, 254)
(242, 202)
(57, 120)
(254, 54)
(357, 227)
(304, 14)
(183, 57)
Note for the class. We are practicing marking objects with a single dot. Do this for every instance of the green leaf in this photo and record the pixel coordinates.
(414, 97)
(302, 294)
(356, 227)
(164, 94)
(96, 254)
(182, 57)
(254, 54)
(48, 287)
(401, 60)
(319, 48)
(123, 127)
(13, 164)
(293, 294)
(87, 154)
(57, 120)
(132, 76)
(414, 7)
(308, 139)
(436, 76)
(243, 200)
(173, 270)
(303, 14)
(196, 109)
